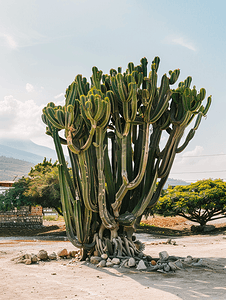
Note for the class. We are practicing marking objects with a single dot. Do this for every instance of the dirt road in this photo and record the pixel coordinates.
(63, 279)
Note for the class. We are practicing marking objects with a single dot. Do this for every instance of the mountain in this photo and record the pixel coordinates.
(11, 168)
(25, 150)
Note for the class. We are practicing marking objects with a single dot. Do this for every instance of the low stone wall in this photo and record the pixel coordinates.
(21, 217)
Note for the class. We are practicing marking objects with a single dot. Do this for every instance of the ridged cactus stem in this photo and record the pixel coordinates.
(167, 151)
(126, 186)
(76, 241)
(105, 216)
(143, 203)
(86, 185)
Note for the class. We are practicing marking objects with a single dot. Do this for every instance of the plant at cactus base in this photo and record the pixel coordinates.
(112, 128)
(199, 202)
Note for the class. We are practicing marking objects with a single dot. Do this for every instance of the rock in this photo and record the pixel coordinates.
(95, 260)
(179, 264)
(153, 262)
(188, 260)
(34, 258)
(62, 253)
(27, 261)
(27, 256)
(163, 255)
(109, 264)
(102, 264)
(115, 261)
(53, 256)
(208, 228)
(42, 255)
(109, 260)
(131, 262)
(166, 268)
(141, 265)
(172, 266)
(115, 266)
(104, 256)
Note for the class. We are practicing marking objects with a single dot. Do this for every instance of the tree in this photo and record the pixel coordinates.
(15, 197)
(43, 188)
(40, 188)
(112, 129)
(199, 202)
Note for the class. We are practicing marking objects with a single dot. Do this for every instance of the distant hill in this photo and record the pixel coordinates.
(174, 182)
(11, 168)
(25, 150)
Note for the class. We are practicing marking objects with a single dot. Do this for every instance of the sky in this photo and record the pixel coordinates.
(46, 43)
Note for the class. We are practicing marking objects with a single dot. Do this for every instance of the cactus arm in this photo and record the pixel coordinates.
(187, 140)
(76, 241)
(126, 186)
(62, 161)
(105, 216)
(86, 185)
(142, 204)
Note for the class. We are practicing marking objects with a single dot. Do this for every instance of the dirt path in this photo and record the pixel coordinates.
(64, 279)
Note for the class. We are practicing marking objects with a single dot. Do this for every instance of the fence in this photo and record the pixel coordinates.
(23, 217)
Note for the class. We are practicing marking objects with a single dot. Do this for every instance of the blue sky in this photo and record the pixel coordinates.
(46, 43)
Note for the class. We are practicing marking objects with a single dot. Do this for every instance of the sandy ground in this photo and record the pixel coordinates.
(80, 280)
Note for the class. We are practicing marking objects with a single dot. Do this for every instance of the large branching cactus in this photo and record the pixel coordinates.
(113, 128)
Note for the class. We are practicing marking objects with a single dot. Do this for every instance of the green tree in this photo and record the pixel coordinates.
(43, 188)
(199, 202)
(113, 127)
(15, 197)
(40, 188)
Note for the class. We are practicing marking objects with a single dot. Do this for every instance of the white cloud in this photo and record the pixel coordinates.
(58, 96)
(29, 88)
(182, 42)
(20, 119)
(10, 40)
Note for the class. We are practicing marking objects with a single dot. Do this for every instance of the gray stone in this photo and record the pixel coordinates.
(179, 264)
(102, 263)
(109, 264)
(172, 266)
(163, 255)
(95, 260)
(104, 256)
(188, 260)
(166, 268)
(115, 261)
(53, 256)
(141, 265)
(131, 262)
(42, 255)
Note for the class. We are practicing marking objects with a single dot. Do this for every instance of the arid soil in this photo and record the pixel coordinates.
(65, 279)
